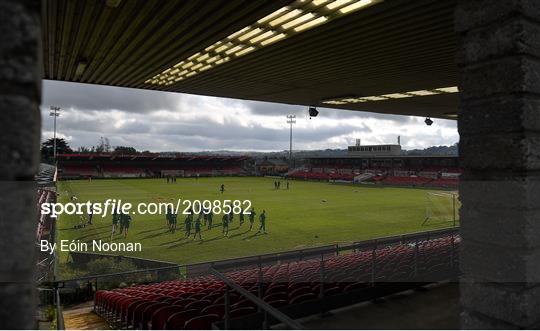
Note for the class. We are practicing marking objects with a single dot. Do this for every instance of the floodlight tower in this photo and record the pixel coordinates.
(290, 120)
(55, 112)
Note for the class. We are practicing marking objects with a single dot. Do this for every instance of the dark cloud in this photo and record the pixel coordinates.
(273, 109)
(204, 133)
(160, 121)
(105, 98)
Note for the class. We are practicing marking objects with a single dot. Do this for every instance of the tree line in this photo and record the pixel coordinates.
(103, 146)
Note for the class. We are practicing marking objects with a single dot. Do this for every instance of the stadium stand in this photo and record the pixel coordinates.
(318, 174)
(110, 165)
(445, 182)
(196, 303)
(406, 181)
(432, 176)
(70, 171)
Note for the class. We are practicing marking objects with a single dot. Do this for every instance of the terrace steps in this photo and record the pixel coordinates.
(82, 317)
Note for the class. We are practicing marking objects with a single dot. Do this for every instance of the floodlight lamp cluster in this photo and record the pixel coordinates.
(383, 97)
(299, 16)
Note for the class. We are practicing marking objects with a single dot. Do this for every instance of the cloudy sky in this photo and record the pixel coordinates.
(160, 121)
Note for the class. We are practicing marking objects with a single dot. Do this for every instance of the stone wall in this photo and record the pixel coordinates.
(20, 97)
(499, 126)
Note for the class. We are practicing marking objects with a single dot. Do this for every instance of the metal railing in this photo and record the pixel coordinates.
(324, 251)
(265, 307)
(123, 273)
(95, 279)
(59, 313)
(320, 253)
(258, 260)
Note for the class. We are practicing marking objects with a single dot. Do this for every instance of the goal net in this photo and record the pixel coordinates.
(442, 207)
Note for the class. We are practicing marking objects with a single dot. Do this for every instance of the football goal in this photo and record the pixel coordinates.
(442, 207)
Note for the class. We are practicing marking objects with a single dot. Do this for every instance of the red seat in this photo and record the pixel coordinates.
(302, 298)
(153, 297)
(233, 297)
(300, 291)
(127, 307)
(137, 315)
(277, 303)
(242, 311)
(160, 317)
(276, 288)
(183, 302)
(218, 309)
(165, 299)
(243, 303)
(212, 296)
(203, 322)
(177, 294)
(197, 296)
(147, 314)
(332, 291)
(276, 296)
(295, 285)
(177, 321)
(120, 303)
(200, 305)
(355, 286)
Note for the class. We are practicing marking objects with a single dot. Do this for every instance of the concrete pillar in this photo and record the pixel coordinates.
(20, 96)
(499, 125)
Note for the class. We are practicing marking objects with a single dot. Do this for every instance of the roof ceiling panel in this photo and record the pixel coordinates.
(393, 46)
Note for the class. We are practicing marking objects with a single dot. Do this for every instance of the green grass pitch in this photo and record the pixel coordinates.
(308, 214)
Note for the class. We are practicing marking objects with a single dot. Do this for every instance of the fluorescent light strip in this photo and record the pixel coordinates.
(311, 24)
(262, 36)
(374, 98)
(453, 89)
(320, 2)
(290, 15)
(299, 16)
(273, 39)
(273, 15)
(250, 34)
(354, 7)
(354, 100)
(238, 33)
(390, 96)
(338, 3)
(232, 50)
(422, 93)
(298, 21)
(397, 95)
(245, 51)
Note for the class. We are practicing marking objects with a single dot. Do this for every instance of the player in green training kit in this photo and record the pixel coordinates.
(173, 221)
(241, 215)
(200, 217)
(197, 229)
(209, 218)
(121, 220)
(168, 217)
(252, 215)
(115, 218)
(172, 217)
(262, 219)
(127, 221)
(225, 223)
(187, 224)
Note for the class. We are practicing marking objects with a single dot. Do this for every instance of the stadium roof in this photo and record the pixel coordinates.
(378, 49)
